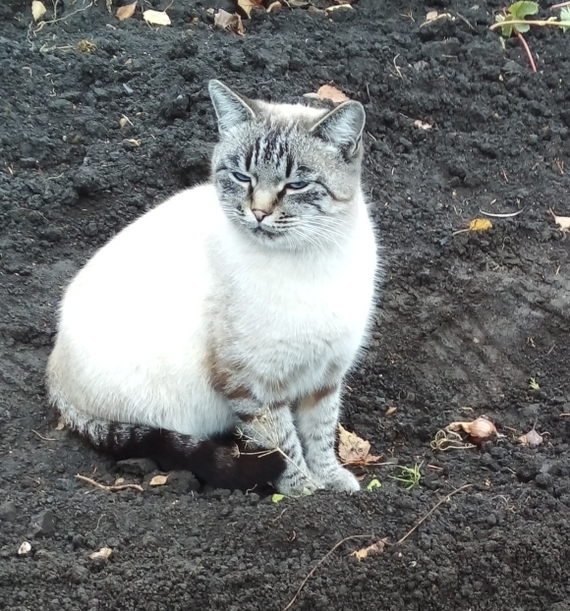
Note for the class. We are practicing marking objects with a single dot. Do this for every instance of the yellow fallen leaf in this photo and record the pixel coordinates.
(103, 554)
(156, 17)
(353, 450)
(480, 225)
(375, 548)
(248, 5)
(158, 480)
(38, 10)
(276, 498)
(562, 221)
(126, 11)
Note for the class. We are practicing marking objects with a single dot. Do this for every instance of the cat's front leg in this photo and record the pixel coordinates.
(272, 428)
(317, 424)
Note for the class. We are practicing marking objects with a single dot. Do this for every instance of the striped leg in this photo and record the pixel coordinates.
(274, 427)
(317, 422)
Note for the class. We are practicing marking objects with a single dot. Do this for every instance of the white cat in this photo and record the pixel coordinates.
(233, 310)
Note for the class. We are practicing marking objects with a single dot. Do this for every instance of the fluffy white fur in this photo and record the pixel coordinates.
(147, 321)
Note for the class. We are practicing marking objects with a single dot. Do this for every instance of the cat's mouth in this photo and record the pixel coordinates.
(264, 231)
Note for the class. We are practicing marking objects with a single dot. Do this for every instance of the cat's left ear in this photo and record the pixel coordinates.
(230, 108)
(343, 127)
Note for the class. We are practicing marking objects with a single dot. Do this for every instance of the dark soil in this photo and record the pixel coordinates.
(465, 320)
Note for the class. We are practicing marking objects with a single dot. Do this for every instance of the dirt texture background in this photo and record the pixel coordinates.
(464, 321)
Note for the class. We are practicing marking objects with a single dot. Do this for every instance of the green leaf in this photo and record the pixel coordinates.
(565, 16)
(520, 27)
(277, 498)
(506, 29)
(373, 484)
(520, 10)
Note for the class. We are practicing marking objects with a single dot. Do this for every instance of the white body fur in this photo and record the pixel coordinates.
(142, 322)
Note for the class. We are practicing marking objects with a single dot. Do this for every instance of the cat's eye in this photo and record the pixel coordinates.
(241, 177)
(297, 186)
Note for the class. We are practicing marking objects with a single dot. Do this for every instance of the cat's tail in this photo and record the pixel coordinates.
(223, 462)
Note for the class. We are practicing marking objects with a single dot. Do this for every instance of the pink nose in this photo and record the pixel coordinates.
(260, 214)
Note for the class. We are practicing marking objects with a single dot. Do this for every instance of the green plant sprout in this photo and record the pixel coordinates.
(513, 21)
(533, 384)
(409, 476)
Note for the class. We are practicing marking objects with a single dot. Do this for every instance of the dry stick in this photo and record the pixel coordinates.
(547, 22)
(109, 488)
(336, 545)
(312, 571)
(428, 514)
(564, 415)
(561, 5)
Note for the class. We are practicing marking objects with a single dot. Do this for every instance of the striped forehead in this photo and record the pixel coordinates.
(271, 148)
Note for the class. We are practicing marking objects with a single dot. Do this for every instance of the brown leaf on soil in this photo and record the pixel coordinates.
(103, 554)
(126, 12)
(158, 480)
(229, 21)
(249, 5)
(562, 221)
(328, 92)
(353, 450)
(532, 438)
(479, 430)
(375, 548)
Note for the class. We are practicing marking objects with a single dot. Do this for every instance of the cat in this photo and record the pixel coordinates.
(215, 331)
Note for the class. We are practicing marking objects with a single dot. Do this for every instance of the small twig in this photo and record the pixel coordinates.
(564, 415)
(428, 514)
(562, 24)
(561, 5)
(109, 488)
(42, 436)
(466, 21)
(526, 48)
(505, 215)
(312, 571)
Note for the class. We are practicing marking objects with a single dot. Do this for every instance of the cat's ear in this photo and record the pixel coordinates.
(343, 127)
(230, 108)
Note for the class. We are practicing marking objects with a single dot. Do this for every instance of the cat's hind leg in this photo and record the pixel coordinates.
(271, 429)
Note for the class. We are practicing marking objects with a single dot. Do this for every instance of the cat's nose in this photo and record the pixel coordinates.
(260, 214)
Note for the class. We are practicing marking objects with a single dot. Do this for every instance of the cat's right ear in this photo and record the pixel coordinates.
(231, 109)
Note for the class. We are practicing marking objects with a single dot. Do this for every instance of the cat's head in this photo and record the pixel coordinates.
(287, 175)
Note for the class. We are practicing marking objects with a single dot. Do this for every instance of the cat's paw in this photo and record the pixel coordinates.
(341, 480)
(296, 484)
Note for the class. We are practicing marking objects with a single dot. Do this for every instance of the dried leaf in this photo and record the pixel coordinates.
(60, 424)
(103, 554)
(353, 450)
(126, 12)
(119, 481)
(532, 438)
(375, 548)
(479, 430)
(422, 125)
(38, 10)
(334, 8)
(431, 15)
(562, 221)
(156, 17)
(229, 21)
(158, 480)
(274, 7)
(480, 225)
(390, 411)
(248, 5)
(24, 549)
(328, 92)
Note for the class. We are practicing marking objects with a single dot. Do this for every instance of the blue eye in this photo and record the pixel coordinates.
(297, 186)
(241, 177)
